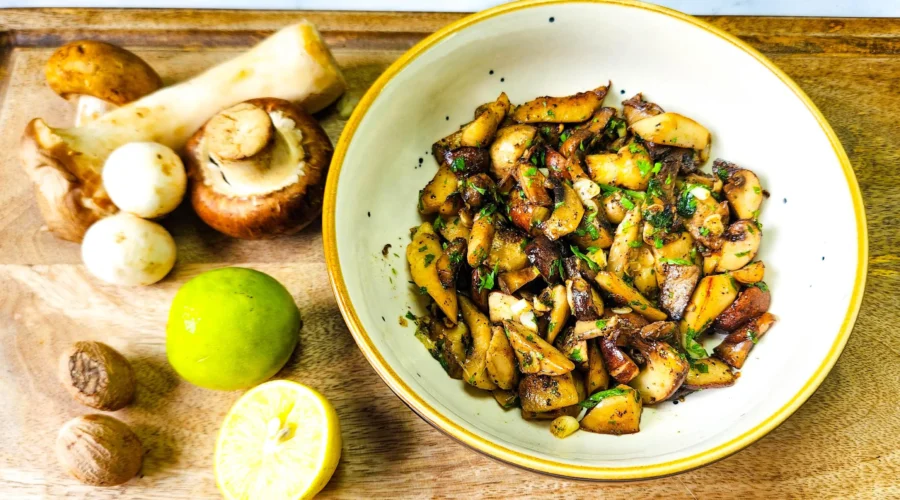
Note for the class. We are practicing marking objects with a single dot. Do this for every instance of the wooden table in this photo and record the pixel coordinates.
(845, 442)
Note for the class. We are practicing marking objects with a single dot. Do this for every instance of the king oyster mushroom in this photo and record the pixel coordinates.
(65, 164)
(257, 169)
(98, 77)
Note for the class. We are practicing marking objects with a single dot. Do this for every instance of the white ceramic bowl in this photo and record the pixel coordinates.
(814, 245)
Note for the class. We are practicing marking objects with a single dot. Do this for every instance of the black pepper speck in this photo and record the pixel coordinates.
(622, 91)
(491, 72)
(823, 258)
(552, 19)
(503, 79)
(382, 319)
(447, 118)
(785, 200)
(421, 160)
(369, 214)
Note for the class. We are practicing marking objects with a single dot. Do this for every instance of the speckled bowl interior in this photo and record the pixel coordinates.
(814, 234)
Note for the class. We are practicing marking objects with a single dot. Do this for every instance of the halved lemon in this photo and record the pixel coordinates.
(281, 440)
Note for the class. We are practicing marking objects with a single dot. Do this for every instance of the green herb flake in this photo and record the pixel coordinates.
(479, 190)
(455, 257)
(410, 316)
(677, 262)
(644, 167)
(593, 266)
(439, 223)
(701, 367)
(563, 136)
(634, 148)
(761, 285)
(600, 396)
(626, 203)
(703, 231)
(752, 336)
(531, 172)
(423, 290)
(576, 356)
(394, 271)
(742, 254)
(600, 324)
(530, 338)
(487, 282)
(534, 160)
(423, 248)
(489, 209)
(550, 113)
(581, 145)
(656, 167)
(658, 243)
(458, 165)
(757, 190)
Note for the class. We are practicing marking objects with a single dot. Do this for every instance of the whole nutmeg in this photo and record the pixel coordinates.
(97, 375)
(99, 450)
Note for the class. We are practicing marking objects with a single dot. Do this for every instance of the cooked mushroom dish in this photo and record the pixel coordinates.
(577, 262)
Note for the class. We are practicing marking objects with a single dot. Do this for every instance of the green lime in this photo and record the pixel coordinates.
(231, 328)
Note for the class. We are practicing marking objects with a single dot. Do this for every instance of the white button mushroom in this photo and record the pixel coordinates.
(145, 178)
(127, 250)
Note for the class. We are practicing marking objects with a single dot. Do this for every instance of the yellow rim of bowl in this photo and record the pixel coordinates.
(515, 457)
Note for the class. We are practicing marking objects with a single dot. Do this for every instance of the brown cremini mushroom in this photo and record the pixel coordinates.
(257, 169)
(98, 77)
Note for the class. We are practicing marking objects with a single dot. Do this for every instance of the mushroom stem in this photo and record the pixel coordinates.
(89, 108)
(240, 140)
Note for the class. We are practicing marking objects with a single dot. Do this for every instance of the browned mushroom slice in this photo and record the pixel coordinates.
(625, 242)
(709, 373)
(567, 212)
(478, 290)
(750, 303)
(525, 215)
(579, 140)
(478, 132)
(636, 109)
(501, 360)
(508, 147)
(570, 109)
(503, 307)
(449, 262)
(577, 267)
(477, 190)
(547, 257)
(513, 280)
(674, 129)
(753, 272)
(421, 254)
(573, 347)
(625, 295)
(663, 373)
(98, 77)
(480, 240)
(564, 169)
(659, 330)
(712, 296)
(531, 180)
(596, 378)
(742, 189)
(507, 251)
(506, 398)
(615, 411)
(535, 355)
(541, 393)
(678, 285)
(620, 366)
(446, 344)
(464, 161)
(436, 193)
(737, 345)
(555, 296)
(584, 302)
(451, 227)
(474, 365)
(571, 411)
(740, 244)
(613, 326)
(630, 168)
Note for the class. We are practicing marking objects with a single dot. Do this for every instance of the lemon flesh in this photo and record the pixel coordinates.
(281, 440)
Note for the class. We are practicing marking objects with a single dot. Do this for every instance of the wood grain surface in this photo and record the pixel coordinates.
(843, 443)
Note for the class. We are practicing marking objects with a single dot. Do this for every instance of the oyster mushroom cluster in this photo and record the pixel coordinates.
(256, 159)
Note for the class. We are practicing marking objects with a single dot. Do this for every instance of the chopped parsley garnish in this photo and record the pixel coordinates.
(480, 190)
(411, 316)
(550, 113)
(530, 338)
(423, 248)
(576, 356)
(761, 285)
(439, 223)
(455, 257)
(635, 148)
(693, 348)
(635, 244)
(654, 189)
(563, 136)
(644, 167)
(600, 396)
(757, 190)
(664, 219)
(742, 254)
(656, 167)
(752, 336)
(532, 171)
(626, 203)
(560, 269)
(429, 259)
(489, 209)
(600, 324)
(703, 231)
(721, 172)
(658, 243)
(458, 165)
(487, 282)
(423, 290)
(701, 367)
(686, 204)
(581, 145)
(533, 160)
(593, 266)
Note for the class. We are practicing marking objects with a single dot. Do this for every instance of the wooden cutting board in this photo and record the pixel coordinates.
(845, 442)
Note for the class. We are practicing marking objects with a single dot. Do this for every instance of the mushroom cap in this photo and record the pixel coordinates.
(283, 211)
(100, 70)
